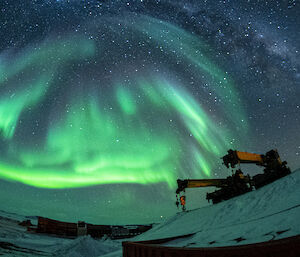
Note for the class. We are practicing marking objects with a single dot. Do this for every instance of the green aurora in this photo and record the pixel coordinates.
(106, 131)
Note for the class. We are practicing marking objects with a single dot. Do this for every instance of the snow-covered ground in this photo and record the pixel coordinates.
(272, 212)
(16, 241)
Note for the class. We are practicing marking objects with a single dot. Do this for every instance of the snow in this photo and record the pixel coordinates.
(87, 246)
(272, 212)
(22, 243)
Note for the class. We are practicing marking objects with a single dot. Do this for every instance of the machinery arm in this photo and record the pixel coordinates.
(238, 183)
(270, 160)
(191, 183)
(236, 157)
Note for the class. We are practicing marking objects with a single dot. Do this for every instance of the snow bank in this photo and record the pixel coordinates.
(86, 246)
(21, 242)
(271, 212)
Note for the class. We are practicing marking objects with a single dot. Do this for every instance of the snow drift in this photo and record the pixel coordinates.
(87, 246)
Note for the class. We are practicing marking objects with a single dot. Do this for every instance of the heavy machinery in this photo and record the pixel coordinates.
(231, 186)
(274, 168)
(238, 183)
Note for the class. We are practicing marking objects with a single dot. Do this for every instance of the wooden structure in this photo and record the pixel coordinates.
(68, 229)
(56, 227)
(287, 247)
(98, 231)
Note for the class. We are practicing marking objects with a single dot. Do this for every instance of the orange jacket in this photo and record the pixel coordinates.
(182, 200)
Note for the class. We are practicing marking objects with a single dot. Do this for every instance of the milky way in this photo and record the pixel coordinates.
(124, 102)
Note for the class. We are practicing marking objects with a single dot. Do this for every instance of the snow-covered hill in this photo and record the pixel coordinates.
(272, 212)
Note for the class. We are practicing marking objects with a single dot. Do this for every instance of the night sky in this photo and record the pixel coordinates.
(105, 104)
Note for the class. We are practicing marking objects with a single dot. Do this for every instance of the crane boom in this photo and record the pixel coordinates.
(274, 168)
(233, 185)
(269, 160)
(246, 157)
(192, 183)
(238, 183)
(236, 157)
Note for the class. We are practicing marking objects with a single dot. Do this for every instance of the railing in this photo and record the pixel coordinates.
(287, 247)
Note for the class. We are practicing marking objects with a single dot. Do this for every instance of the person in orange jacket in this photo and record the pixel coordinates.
(182, 201)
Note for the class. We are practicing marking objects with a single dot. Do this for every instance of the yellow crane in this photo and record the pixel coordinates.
(237, 183)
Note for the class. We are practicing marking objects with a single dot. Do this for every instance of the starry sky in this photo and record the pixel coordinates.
(105, 104)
